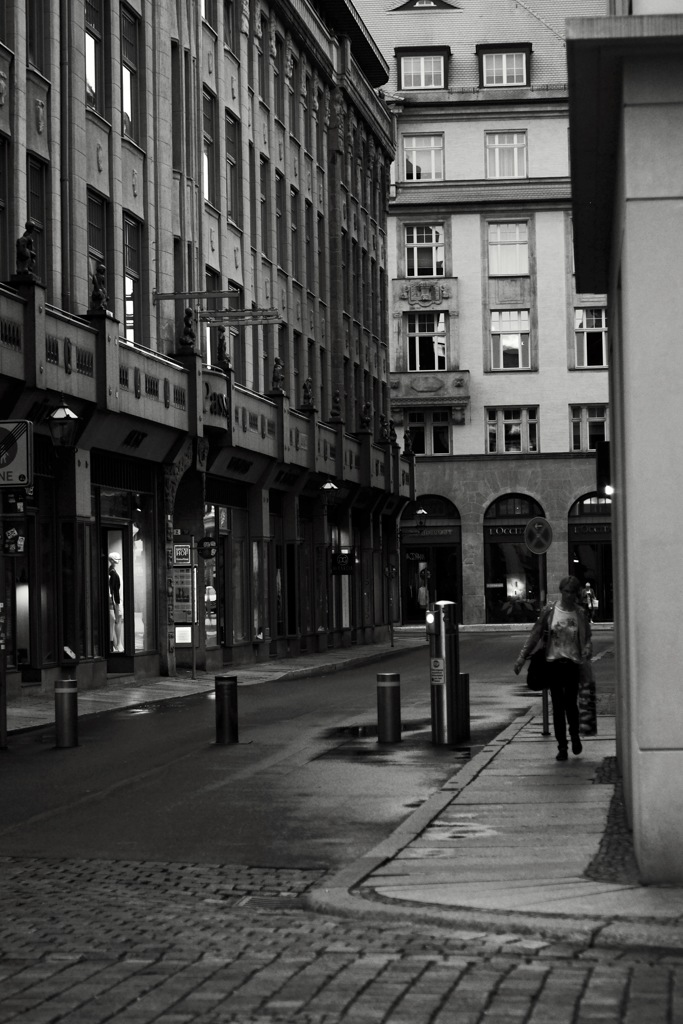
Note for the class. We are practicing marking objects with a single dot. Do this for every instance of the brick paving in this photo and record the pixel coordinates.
(100, 942)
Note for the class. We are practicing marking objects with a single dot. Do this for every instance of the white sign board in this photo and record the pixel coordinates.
(16, 453)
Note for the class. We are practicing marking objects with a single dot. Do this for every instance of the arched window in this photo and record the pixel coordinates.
(513, 506)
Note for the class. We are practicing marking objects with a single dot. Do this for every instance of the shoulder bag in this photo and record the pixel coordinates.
(537, 672)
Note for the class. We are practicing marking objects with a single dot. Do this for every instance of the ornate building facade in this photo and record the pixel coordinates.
(198, 197)
(499, 363)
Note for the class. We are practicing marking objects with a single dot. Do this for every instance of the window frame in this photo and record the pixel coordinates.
(233, 178)
(36, 43)
(497, 331)
(440, 54)
(415, 248)
(130, 70)
(231, 35)
(504, 50)
(500, 248)
(424, 427)
(210, 184)
(495, 150)
(132, 297)
(96, 253)
(418, 329)
(37, 206)
(437, 155)
(602, 330)
(500, 418)
(93, 32)
(4, 199)
(580, 420)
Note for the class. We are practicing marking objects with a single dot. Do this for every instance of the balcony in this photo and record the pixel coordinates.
(443, 388)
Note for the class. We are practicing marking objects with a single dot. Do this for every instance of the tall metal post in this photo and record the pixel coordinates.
(450, 713)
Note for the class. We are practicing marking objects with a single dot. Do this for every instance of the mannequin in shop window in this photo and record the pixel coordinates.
(115, 613)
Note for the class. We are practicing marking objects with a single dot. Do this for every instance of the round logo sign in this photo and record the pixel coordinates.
(538, 535)
(8, 447)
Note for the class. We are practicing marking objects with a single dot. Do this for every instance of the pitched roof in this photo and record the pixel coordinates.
(466, 23)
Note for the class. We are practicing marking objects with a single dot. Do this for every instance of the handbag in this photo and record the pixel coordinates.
(537, 672)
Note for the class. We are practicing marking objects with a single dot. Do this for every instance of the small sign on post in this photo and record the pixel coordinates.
(16, 453)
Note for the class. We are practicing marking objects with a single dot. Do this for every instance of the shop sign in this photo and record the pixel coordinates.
(587, 528)
(343, 560)
(182, 554)
(494, 532)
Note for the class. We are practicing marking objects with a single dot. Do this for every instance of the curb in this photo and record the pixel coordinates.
(341, 894)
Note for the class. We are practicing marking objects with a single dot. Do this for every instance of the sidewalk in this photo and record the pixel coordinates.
(517, 841)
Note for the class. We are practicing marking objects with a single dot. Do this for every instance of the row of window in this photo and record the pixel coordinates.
(508, 247)
(498, 68)
(510, 336)
(509, 430)
(505, 156)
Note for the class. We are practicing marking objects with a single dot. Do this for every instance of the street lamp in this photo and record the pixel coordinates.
(421, 518)
(63, 425)
(328, 492)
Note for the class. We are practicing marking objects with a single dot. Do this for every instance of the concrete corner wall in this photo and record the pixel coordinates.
(647, 383)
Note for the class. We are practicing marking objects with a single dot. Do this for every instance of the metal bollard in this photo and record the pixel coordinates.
(546, 723)
(66, 713)
(462, 730)
(226, 710)
(388, 707)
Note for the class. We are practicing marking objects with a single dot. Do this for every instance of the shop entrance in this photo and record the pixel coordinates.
(590, 551)
(515, 579)
(431, 557)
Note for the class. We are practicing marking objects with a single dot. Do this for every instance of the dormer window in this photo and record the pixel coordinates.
(423, 69)
(504, 67)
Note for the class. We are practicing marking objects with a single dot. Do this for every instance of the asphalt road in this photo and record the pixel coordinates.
(308, 786)
(126, 899)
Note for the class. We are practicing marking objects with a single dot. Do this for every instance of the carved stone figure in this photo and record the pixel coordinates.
(188, 336)
(278, 375)
(26, 253)
(407, 442)
(335, 411)
(222, 354)
(98, 296)
(308, 393)
(366, 416)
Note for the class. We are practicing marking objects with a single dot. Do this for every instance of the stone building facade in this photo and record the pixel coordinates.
(197, 193)
(499, 363)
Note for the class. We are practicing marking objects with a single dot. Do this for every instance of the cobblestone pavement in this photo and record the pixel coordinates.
(84, 942)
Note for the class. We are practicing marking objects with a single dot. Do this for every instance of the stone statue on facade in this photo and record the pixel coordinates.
(278, 375)
(26, 253)
(188, 337)
(98, 295)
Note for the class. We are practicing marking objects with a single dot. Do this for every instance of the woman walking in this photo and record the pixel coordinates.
(567, 629)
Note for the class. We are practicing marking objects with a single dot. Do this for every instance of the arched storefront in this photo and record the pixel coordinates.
(431, 556)
(590, 550)
(515, 578)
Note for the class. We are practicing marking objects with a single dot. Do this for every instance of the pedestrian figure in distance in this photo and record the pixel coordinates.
(568, 646)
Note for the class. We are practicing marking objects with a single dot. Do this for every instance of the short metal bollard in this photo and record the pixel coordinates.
(546, 723)
(66, 713)
(388, 707)
(226, 710)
